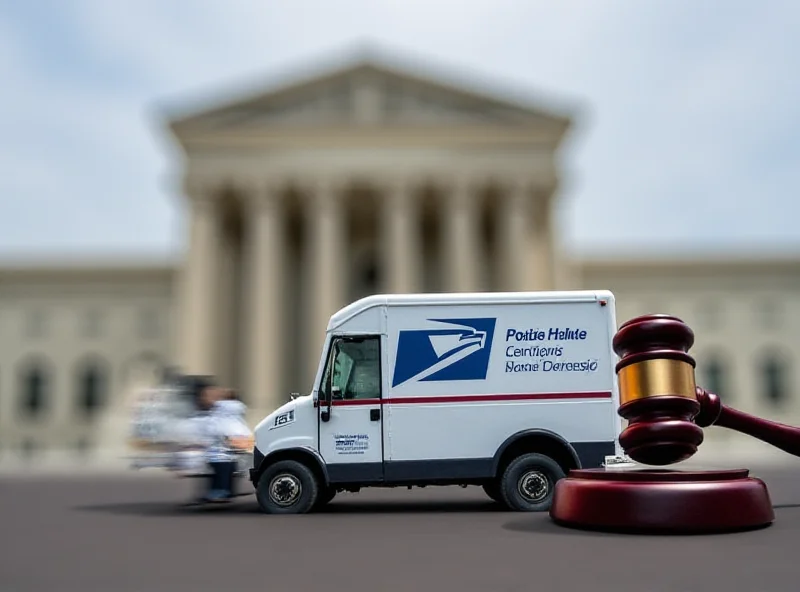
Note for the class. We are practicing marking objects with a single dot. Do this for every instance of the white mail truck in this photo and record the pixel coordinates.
(507, 391)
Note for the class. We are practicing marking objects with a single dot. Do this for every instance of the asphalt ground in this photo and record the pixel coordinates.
(131, 534)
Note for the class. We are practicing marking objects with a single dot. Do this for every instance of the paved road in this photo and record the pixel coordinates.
(129, 534)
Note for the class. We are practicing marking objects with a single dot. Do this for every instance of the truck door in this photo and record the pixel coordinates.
(351, 440)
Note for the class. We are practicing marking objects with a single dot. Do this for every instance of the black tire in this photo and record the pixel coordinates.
(528, 483)
(492, 489)
(287, 487)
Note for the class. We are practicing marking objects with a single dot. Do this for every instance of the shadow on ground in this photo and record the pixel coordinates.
(533, 523)
(545, 526)
(160, 509)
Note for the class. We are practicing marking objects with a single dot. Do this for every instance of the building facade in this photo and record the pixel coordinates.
(745, 314)
(76, 343)
(301, 199)
(365, 180)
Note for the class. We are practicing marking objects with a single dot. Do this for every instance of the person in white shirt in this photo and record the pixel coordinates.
(197, 436)
(227, 434)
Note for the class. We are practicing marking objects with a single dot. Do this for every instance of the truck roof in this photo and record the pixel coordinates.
(465, 298)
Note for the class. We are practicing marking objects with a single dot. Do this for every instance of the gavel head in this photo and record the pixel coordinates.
(658, 395)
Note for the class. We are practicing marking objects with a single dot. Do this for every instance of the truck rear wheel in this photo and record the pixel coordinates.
(528, 483)
(287, 487)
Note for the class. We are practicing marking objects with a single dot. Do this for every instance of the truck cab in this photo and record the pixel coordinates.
(506, 391)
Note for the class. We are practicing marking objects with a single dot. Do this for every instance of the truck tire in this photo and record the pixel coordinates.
(287, 487)
(528, 483)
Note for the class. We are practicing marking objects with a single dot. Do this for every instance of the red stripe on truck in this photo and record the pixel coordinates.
(473, 398)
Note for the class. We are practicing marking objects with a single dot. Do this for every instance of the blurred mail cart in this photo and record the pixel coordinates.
(173, 426)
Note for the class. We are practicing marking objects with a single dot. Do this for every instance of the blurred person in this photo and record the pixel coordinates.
(228, 434)
(199, 434)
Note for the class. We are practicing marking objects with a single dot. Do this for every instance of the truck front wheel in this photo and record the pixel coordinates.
(528, 483)
(287, 487)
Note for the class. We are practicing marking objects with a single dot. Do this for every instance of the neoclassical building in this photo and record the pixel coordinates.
(364, 180)
(302, 198)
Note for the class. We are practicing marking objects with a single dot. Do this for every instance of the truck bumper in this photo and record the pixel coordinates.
(258, 457)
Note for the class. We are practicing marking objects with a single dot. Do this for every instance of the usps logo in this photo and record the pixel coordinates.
(451, 349)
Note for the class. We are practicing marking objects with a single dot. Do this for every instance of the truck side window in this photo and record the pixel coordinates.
(356, 369)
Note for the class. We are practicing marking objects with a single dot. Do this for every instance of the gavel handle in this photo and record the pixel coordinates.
(713, 412)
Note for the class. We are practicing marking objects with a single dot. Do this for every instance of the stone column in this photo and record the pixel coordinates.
(562, 272)
(402, 239)
(539, 252)
(225, 306)
(264, 254)
(327, 239)
(513, 229)
(555, 274)
(462, 255)
(200, 324)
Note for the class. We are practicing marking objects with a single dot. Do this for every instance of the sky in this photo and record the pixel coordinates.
(687, 136)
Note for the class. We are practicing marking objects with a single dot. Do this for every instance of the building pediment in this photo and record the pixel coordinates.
(368, 94)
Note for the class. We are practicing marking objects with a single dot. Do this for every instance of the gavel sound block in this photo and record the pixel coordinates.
(666, 413)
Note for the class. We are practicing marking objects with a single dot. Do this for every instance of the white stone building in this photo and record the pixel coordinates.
(303, 198)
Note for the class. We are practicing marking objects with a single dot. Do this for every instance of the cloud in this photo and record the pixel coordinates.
(688, 133)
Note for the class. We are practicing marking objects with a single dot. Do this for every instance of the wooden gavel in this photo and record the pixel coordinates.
(665, 409)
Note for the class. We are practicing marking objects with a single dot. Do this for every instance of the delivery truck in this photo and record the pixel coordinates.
(504, 391)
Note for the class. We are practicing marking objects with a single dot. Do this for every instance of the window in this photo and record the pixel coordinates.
(774, 379)
(91, 387)
(33, 389)
(356, 368)
(713, 376)
(371, 277)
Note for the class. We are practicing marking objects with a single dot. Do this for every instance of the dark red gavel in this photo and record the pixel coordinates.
(664, 407)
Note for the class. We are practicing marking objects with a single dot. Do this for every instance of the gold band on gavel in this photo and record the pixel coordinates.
(653, 378)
